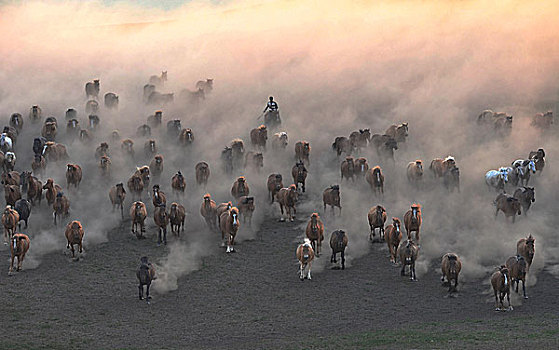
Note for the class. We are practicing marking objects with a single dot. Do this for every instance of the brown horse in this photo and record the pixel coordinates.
(155, 119)
(55, 152)
(360, 167)
(346, 168)
(526, 248)
(385, 146)
(49, 131)
(159, 198)
(342, 145)
(186, 137)
(331, 197)
(74, 235)
(208, 210)
(539, 159)
(229, 224)
(222, 208)
(315, 232)
(240, 188)
(517, 271)
(11, 194)
(408, 252)
(412, 221)
(127, 147)
(161, 219)
(398, 132)
(359, 139)
(375, 178)
(509, 205)
(258, 137)
(61, 206)
(287, 198)
(19, 245)
(526, 196)
(245, 204)
(451, 179)
(178, 183)
(305, 255)
(202, 173)
(156, 166)
(117, 194)
(52, 190)
(503, 125)
(254, 161)
(16, 121)
(500, 282)
(150, 148)
(274, 184)
(10, 219)
(393, 236)
(11, 178)
(415, 172)
(102, 150)
(450, 268)
(73, 175)
(136, 186)
(33, 186)
(145, 274)
(338, 243)
(377, 218)
(237, 152)
(299, 174)
(38, 165)
(105, 166)
(138, 214)
(543, 121)
(302, 151)
(177, 215)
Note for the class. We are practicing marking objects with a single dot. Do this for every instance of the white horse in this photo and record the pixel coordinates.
(497, 178)
(5, 143)
(524, 166)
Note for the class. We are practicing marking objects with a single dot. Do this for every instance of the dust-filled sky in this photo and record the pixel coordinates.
(333, 67)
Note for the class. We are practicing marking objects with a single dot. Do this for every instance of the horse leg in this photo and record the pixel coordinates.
(417, 235)
(141, 291)
(343, 259)
(508, 300)
(403, 270)
(301, 275)
(73, 251)
(524, 290)
(309, 270)
(165, 235)
(159, 236)
(81, 249)
(12, 264)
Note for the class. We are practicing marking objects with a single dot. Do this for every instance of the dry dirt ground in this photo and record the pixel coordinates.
(253, 299)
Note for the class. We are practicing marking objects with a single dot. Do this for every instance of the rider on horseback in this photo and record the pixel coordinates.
(271, 105)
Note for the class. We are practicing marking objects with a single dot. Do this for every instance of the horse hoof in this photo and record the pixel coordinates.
(525, 297)
(497, 309)
(280, 220)
(510, 308)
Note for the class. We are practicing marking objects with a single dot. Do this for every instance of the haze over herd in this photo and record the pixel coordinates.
(426, 142)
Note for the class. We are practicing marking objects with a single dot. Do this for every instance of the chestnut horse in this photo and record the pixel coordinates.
(375, 178)
(412, 221)
(287, 198)
(208, 210)
(274, 184)
(74, 235)
(299, 174)
(500, 281)
(338, 243)
(305, 255)
(408, 252)
(393, 236)
(517, 271)
(450, 268)
(526, 248)
(315, 232)
(19, 245)
(377, 218)
(229, 224)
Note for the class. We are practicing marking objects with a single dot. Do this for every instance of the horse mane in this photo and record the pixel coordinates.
(416, 206)
(452, 257)
(449, 158)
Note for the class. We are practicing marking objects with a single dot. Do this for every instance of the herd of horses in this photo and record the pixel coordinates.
(228, 216)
